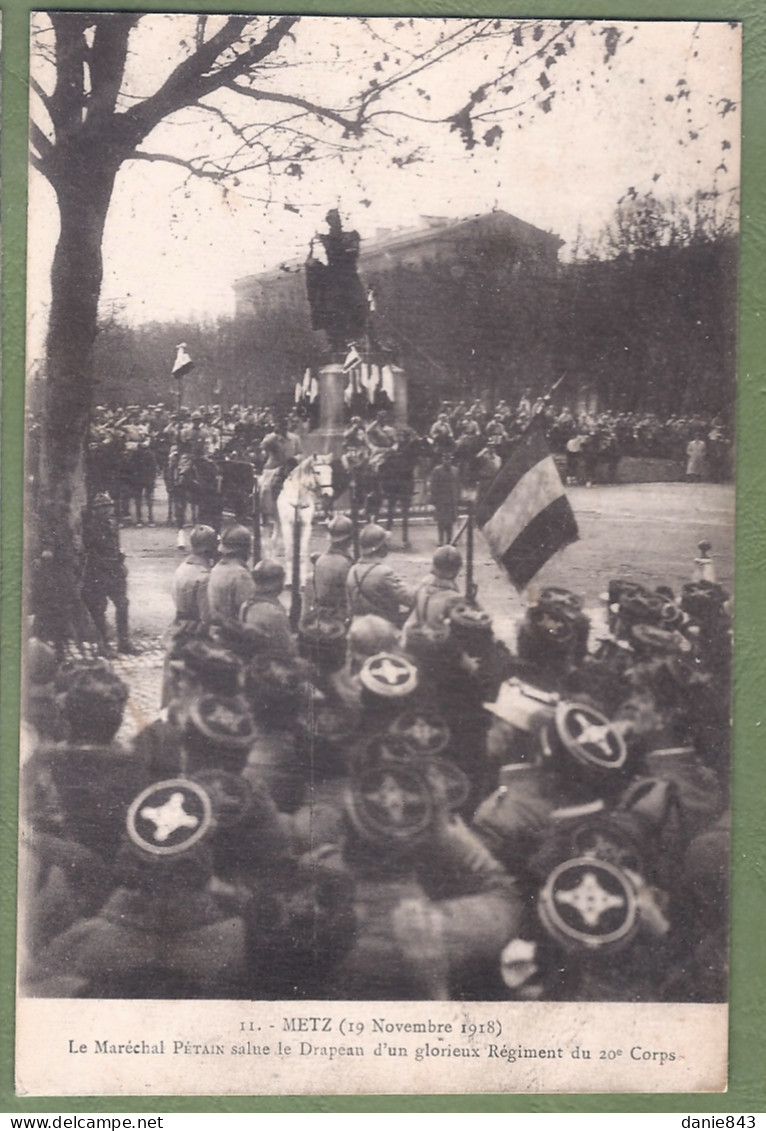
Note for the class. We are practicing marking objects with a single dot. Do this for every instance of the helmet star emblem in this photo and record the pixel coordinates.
(590, 899)
(594, 734)
(170, 817)
(423, 733)
(224, 717)
(393, 799)
(390, 672)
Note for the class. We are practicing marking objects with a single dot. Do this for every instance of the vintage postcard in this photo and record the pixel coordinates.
(378, 573)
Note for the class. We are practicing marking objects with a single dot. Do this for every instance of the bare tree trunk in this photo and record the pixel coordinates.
(83, 198)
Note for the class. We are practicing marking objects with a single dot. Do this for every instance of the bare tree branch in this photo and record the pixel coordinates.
(40, 141)
(213, 173)
(192, 80)
(106, 62)
(42, 94)
(352, 126)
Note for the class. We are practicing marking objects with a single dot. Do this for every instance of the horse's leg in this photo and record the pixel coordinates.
(405, 500)
(284, 523)
(150, 503)
(307, 520)
(180, 496)
(137, 501)
(372, 501)
(391, 509)
(277, 532)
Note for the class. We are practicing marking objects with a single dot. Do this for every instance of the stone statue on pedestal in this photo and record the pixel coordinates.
(336, 296)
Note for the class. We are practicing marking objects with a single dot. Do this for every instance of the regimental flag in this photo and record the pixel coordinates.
(525, 514)
(183, 364)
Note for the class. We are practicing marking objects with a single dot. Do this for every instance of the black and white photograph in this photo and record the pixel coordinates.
(379, 554)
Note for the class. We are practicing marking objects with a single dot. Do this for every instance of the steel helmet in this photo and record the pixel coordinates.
(204, 539)
(447, 561)
(269, 575)
(372, 537)
(340, 528)
(369, 635)
(235, 539)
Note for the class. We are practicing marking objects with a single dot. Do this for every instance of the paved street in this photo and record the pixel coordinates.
(647, 532)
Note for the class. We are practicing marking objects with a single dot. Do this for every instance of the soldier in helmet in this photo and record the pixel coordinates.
(195, 666)
(147, 939)
(76, 789)
(367, 636)
(230, 582)
(190, 584)
(437, 593)
(263, 612)
(433, 907)
(105, 577)
(326, 595)
(372, 586)
(192, 576)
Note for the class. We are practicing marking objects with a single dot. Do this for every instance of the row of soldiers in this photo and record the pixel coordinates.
(457, 429)
(388, 803)
(591, 441)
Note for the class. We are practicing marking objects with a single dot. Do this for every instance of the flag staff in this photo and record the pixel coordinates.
(256, 511)
(354, 516)
(471, 589)
(295, 596)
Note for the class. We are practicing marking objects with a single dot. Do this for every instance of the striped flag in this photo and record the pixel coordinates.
(183, 364)
(524, 514)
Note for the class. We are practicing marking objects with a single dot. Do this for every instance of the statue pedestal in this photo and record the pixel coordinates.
(329, 435)
(328, 438)
(400, 396)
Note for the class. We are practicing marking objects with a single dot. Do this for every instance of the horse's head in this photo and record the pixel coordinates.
(322, 468)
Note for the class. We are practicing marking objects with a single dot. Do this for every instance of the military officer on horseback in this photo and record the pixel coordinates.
(281, 447)
(381, 436)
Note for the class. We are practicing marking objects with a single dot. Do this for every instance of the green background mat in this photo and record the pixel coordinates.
(747, 1091)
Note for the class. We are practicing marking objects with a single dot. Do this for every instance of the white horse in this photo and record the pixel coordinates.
(308, 483)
